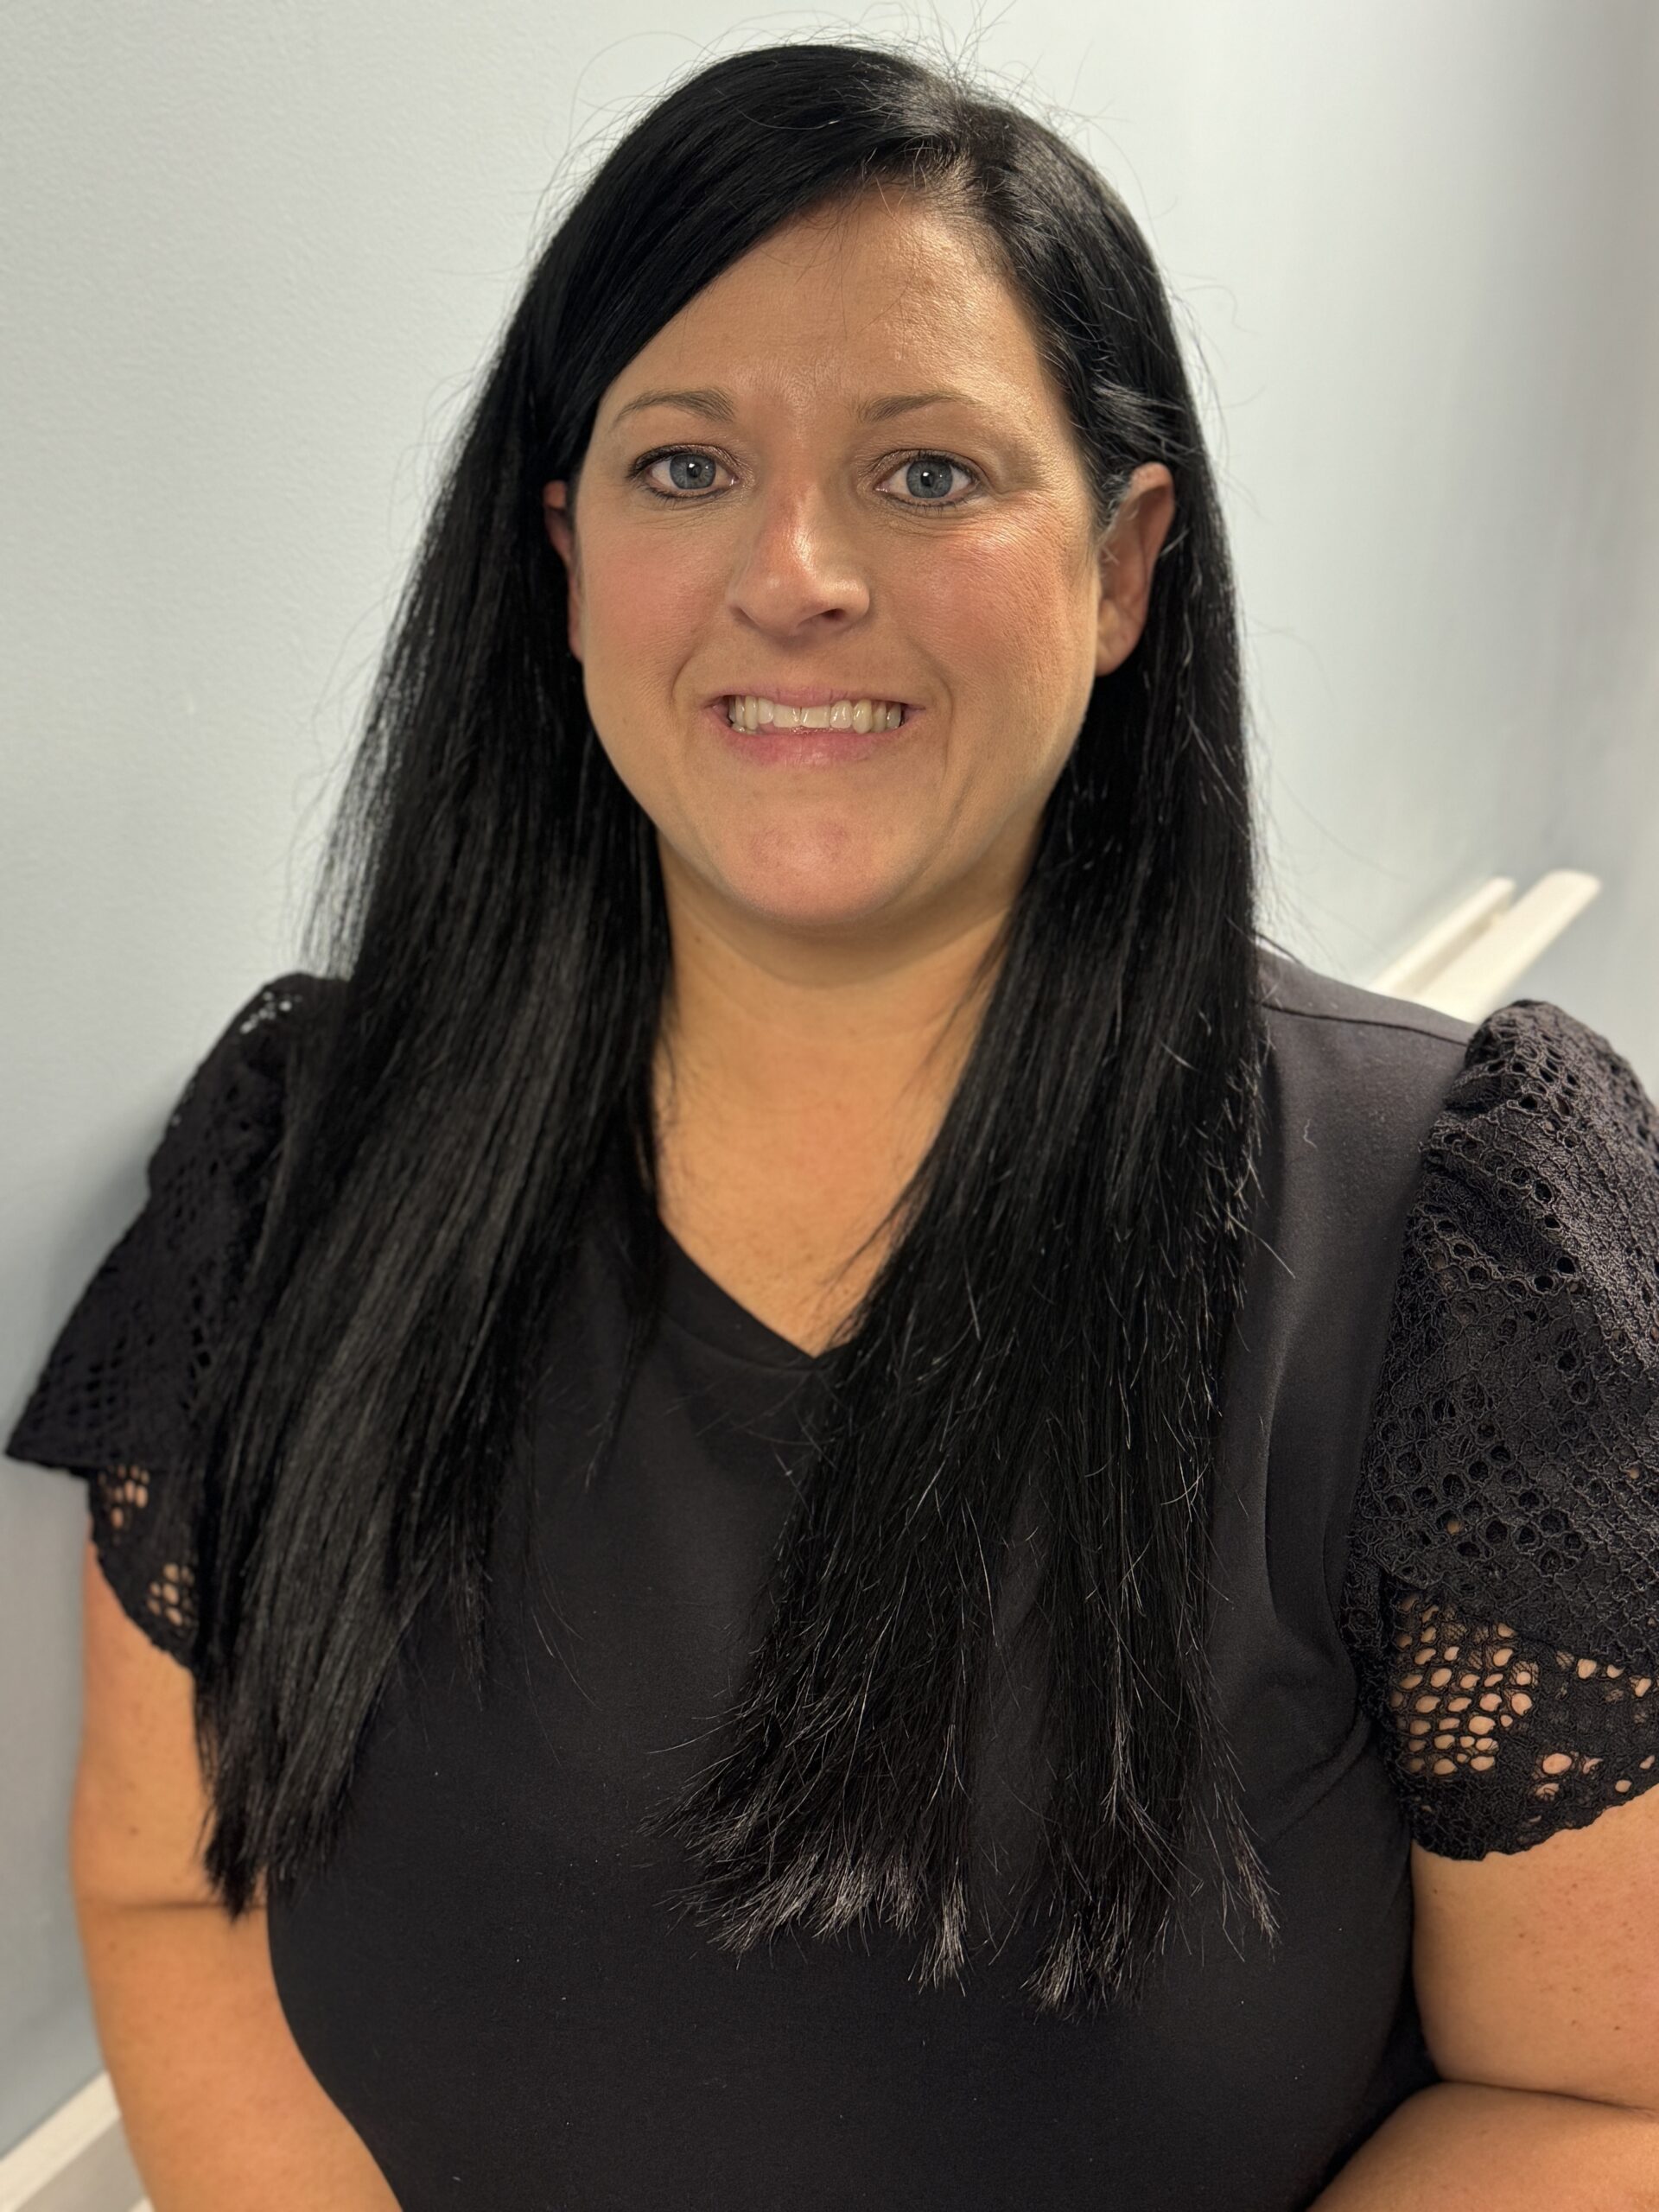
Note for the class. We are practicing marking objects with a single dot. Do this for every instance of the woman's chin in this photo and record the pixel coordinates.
(821, 900)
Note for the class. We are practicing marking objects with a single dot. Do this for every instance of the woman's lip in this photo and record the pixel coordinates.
(804, 747)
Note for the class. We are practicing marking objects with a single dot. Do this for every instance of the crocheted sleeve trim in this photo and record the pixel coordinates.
(1502, 1592)
(111, 1403)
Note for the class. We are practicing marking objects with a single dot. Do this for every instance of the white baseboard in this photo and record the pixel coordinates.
(1471, 959)
(76, 2160)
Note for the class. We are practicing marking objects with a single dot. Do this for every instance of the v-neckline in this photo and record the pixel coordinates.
(707, 1310)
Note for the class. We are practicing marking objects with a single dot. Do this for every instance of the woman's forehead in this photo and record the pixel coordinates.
(859, 346)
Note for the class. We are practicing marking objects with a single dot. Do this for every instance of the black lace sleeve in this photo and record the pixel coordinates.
(1502, 1592)
(111, 1403)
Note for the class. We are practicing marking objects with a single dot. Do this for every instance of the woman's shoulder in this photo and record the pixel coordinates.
(112, 1400)
(1303, 1003)
(1353, 1080)
(1531, 1083)
(1292, 988)
(1507, 1513)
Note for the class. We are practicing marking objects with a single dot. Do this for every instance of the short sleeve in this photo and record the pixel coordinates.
(1501, 1600)
(111, 1402)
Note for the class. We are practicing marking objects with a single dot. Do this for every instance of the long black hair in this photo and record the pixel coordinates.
(489, 922)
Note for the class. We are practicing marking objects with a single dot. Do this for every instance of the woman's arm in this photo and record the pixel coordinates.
(1461, 2148)
(221, 2112)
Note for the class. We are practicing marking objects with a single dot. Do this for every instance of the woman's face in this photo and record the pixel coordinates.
(942, 555)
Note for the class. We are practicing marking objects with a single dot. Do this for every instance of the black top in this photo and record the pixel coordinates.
(1441, 1445)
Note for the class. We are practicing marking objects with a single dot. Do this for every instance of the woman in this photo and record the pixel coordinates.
(793, 1327)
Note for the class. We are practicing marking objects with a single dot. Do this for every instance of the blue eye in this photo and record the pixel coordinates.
(931, 464)
(934, 463)
(675, 452)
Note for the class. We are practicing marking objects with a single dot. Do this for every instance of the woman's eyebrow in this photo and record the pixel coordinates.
(719, 406)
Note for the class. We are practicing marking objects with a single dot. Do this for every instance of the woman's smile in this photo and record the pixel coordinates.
(776, 745)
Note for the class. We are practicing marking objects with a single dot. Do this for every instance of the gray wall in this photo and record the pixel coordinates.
(257, 255)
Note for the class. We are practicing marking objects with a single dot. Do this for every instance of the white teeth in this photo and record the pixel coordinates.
(748, 711)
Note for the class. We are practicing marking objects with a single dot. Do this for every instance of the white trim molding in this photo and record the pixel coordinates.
(76, 2160)
(1470, 959)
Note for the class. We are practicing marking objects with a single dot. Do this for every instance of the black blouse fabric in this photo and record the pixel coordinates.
(1438, 1556)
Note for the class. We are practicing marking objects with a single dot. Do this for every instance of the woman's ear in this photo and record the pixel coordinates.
(1128, 557)
(561, 530)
